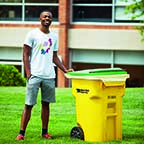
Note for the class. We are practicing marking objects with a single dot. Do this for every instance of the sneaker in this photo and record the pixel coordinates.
(47, 136)
(20, 137)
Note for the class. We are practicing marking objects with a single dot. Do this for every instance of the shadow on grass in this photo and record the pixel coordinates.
(60, 136)
(138, 136)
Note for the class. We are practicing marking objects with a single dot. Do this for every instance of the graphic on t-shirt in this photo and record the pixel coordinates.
(46, 44)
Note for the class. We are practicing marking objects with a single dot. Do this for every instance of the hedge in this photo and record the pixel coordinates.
(10, 76)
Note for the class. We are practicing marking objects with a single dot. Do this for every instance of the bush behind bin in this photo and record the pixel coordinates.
(10, 76)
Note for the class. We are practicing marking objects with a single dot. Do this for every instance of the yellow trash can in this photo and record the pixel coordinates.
(98, 95)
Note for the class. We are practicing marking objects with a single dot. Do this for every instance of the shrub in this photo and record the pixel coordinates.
(10, 76)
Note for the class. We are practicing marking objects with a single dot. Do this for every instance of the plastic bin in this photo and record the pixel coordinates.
(98, 94)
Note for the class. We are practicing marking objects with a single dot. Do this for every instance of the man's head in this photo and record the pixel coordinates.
(46, 18)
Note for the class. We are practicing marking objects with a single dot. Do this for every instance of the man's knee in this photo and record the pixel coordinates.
(44, 103)
(28, 107)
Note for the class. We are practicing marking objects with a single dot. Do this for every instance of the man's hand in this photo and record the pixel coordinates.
(69, 70)
(28, 76)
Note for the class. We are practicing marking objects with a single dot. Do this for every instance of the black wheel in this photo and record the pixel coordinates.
(77, 132)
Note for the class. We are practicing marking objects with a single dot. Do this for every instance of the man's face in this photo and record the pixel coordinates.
(46, 19)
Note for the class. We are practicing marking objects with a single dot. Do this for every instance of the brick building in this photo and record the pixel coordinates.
(92, 34)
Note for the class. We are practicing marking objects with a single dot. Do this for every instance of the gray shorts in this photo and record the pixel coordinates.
(47, 87)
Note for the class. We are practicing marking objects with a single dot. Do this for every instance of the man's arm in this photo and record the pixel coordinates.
(59, 64)
(26, 59)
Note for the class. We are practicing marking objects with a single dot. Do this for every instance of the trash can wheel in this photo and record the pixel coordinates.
(77, 132)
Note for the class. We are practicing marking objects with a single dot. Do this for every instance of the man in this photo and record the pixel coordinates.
(39, 54)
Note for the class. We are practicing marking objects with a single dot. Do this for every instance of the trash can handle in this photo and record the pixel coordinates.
(94, 71)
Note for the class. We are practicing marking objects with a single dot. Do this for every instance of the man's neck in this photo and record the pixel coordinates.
(45, 30)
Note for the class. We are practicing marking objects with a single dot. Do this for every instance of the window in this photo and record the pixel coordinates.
(92, 10)
(120, 9)
(26, 10)
(11, 10)
(93, 1)
(112, 11)
(32, 12)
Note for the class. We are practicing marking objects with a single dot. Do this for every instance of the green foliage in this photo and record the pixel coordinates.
(10, 76)
(137, 9)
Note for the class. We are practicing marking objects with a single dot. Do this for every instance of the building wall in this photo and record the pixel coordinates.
(12, 36)
(116, 39)
(103, 45)
(113, 39)
(100, 48)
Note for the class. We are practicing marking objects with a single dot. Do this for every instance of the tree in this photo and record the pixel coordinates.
(137, 10)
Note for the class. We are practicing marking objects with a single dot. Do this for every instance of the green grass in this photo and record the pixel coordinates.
(63, 117)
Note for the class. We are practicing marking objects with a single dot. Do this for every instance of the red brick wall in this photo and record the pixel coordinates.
(64, 23)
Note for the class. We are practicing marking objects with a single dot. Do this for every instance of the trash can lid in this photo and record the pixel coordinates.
(98, 72)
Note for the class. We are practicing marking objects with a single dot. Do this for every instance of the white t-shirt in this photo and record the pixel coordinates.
(41, 59)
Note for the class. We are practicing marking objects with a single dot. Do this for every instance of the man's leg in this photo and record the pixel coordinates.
(48, 96)
(26, 116)
(24, 121)
(32, 89)
(45, 113)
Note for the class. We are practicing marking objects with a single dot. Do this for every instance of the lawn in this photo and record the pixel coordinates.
(63, 117)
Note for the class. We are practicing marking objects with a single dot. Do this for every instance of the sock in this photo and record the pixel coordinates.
(44, 131)
(22, 132)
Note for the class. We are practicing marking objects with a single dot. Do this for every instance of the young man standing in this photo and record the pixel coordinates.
(39, 54)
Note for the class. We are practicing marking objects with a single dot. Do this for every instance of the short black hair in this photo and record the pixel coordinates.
(45, 11)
